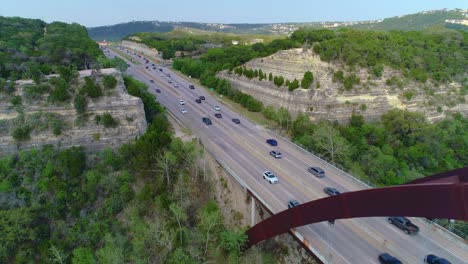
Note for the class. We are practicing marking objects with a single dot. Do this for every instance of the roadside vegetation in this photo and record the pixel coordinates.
(147, 202)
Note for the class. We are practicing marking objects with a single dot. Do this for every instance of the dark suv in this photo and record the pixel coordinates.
(206, 120)
(318, 172)
(386, 258)
(433, 259)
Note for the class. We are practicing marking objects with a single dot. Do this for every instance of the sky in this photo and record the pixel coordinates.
(92, 13)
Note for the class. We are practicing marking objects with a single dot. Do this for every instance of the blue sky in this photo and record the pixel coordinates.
(107, 12)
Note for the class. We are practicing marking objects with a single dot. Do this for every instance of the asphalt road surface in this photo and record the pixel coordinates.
(243, 149)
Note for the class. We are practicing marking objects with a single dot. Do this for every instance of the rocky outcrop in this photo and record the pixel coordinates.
(326, 99)
(83, 131)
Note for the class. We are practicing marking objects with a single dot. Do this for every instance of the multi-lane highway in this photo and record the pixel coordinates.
(243, 149)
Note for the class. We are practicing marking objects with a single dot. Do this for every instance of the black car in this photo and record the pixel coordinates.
(236, 120)
(206, 120)
(202, 97)
(272, 142)
(433, 259)
(386, 258)
(191, 86)
(198, 101)
(158, 91)
(218, 115)
(318, 172)
(293, 203)
(331, 191)
(151, 81)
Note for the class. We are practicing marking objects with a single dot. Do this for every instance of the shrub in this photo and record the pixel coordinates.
(80, 104)
(21, 133)
(108, 120)
(109, 81)
(91, 89)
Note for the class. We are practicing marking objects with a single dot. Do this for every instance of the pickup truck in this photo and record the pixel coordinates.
(404, 224)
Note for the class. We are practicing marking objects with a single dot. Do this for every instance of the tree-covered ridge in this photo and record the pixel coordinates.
(148, 202)
(439, 55)
(30, 47)
(417, 21)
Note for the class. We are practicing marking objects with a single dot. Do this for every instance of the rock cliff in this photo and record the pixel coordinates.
(42, 117)
(328, 99)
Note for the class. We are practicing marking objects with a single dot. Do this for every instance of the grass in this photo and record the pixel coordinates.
(255, 117)
(126, 56)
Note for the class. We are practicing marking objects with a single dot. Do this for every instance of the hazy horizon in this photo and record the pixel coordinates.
(105, 13)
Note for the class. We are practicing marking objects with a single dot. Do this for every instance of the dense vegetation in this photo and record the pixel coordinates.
(418, 21)
(441, 55)
(148, 202)
(31, 48)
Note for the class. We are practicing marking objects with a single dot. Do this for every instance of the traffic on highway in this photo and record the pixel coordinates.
(284, 175)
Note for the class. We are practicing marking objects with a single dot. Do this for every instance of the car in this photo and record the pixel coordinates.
(183, 110)
(218, 115)
(275, 154)
(176, 85)
(272, 142)
(191, 86)
(153, 65)
(433, 259)
(181, 102)
(158, 91)
(317, 171)
(293, 203)
(168, 75)
(169, 81)
(270, 177)
(386, 258)
(216, 108)
(206, 120)
(154, 68)
(146, 67)
(331, 191)
(198, 101)
(202, 97)
(236, 120)
(160, 69)
(151, 81)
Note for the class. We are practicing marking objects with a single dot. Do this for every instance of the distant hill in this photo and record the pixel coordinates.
(416, 21)
(120, 31)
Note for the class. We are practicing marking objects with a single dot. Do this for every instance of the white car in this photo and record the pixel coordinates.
(270, 177)
(183, 110)
(181, 102)
(176, 85)
(216, 108)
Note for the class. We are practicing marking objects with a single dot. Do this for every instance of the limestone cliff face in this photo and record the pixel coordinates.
(326, 99)
(127, 110)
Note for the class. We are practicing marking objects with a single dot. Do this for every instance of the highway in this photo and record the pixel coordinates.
(242, 147)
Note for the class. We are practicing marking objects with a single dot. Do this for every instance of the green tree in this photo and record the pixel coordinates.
(328, 140)
(80, 103)
(91, 89)
(83, 255)
(307, 80)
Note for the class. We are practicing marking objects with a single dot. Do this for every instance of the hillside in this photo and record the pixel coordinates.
(32, 115)
(406, 22)
(327, 98)
(30, 48)
(418, 21)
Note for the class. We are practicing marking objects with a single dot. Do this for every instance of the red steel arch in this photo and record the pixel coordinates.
(443, 195)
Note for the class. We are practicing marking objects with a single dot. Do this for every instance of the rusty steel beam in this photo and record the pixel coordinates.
(444, 195)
